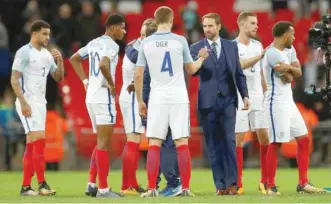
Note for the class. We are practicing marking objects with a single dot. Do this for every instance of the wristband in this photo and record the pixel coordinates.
(85, 81)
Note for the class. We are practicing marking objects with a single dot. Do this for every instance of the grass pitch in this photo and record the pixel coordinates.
(70, 188)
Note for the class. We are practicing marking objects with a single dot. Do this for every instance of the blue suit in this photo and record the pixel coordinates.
(169, 164)
(220, 78)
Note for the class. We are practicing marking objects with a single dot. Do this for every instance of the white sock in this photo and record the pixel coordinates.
(104, 190)
(93, 185)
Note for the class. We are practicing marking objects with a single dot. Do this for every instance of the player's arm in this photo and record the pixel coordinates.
(295, 67)
(76, 62)
(193, 67)
(139, 79)
(19, 64)
(286, 68)
(57, 72)
(287, 78)
(139, 73)
(247, 63)
(104, 66)
(263, 82)
(15, 83)
(194, 54)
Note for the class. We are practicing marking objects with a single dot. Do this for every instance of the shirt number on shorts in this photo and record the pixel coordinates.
(94, 58)
(166, 64)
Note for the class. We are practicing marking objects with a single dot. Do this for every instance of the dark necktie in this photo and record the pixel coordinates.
(214, 49)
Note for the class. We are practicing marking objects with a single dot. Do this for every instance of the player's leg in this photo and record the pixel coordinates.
(259, 124)
(158, 123)
(180, 127)
(279, 132)
(28, 169)
(299, 131)
(91, 189)
(130, 156)
(242, 127)
(105, 119)
(169, 167)
(35, 129)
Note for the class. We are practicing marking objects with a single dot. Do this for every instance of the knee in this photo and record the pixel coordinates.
(240, 139)
(181, 141)
(264, 140)
(103, 143)
(133, 137)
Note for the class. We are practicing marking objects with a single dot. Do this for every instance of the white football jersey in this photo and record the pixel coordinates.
(103, 46)
(253, 74)
(166, 53)
(35, 66)
(278, 92)
(128, 70)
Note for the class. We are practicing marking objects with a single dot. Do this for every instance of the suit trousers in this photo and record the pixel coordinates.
(219, 130)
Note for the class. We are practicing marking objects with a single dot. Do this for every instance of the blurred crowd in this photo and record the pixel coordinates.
(76, 22)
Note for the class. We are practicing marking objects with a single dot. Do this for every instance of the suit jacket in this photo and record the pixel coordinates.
(208, 89)
(132, 55)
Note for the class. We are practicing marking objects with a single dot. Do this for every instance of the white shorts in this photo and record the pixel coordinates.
(131, 118)
(251, 120)
(101, 114)
(162, 116)
(37, 121)
(285, 122)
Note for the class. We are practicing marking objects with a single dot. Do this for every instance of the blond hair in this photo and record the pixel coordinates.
(163, 14)
(244, 15)
(151, 26)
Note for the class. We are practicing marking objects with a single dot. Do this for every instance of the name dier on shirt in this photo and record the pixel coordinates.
(161, 43)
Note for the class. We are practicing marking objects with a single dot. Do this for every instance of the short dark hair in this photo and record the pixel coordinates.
(280, 28)
(115, 19)
(214, 16)
(38, 25)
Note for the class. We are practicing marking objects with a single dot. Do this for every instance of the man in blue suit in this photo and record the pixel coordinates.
(220, 77)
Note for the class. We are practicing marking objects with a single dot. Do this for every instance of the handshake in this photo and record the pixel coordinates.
(203, 53)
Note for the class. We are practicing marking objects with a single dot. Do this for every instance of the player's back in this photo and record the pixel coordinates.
(97, 91)
(164, 52)
(278, 92)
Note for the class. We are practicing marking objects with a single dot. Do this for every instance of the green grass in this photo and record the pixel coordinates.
(70, 188)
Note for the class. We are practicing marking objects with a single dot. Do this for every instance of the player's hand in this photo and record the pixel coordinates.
(130, 88)
(203, 52)
(142, 109)
(57, 55)
(112, 90)
(26, 109)
(281, 68)
(247, 105)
